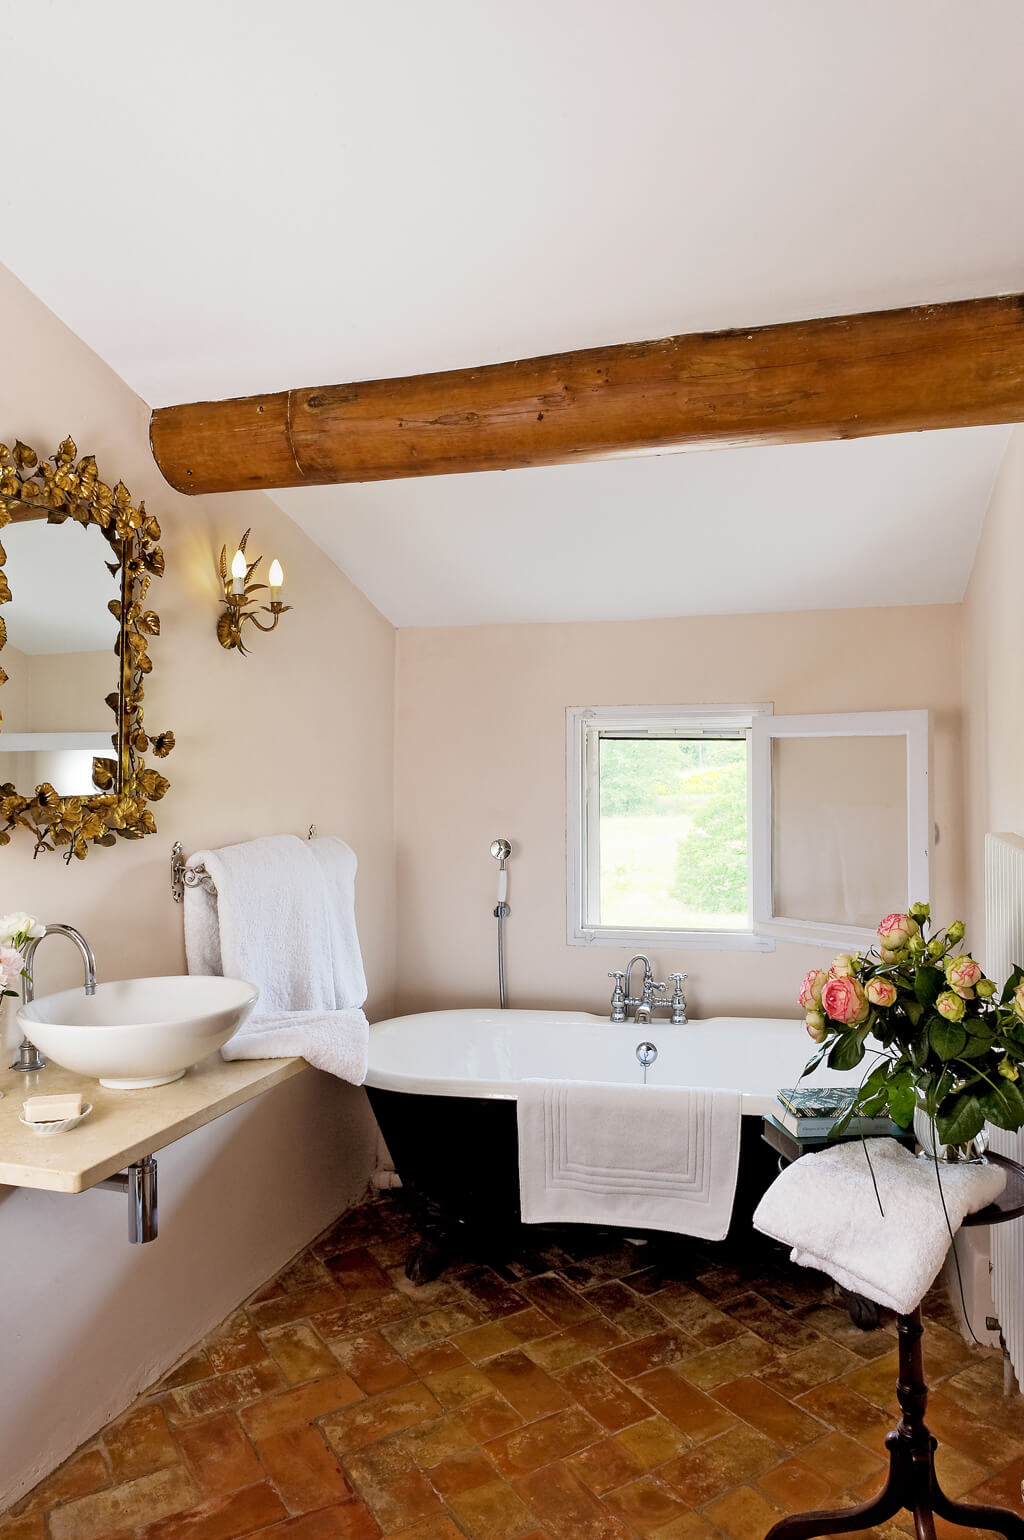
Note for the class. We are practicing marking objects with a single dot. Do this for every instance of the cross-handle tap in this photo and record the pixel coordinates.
(618, 997)
(678, 1001)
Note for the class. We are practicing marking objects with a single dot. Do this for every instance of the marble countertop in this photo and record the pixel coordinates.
(123, 1125)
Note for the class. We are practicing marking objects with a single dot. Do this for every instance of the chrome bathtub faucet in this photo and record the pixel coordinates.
(645, 1004)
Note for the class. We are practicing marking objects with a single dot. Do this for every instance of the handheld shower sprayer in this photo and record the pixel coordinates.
(501, 850)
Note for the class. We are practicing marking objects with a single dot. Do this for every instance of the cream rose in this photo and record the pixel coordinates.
(962, 973)
(17, 928)
(1018, 1001)
(950, 1005)
(810, 990)
(896, 930)
(844, 1000)
(816, 1025)
(881, 992)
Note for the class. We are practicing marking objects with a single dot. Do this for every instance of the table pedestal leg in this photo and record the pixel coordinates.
(911, 1482)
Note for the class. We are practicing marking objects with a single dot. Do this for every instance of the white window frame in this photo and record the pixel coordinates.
(584, 725)
(910, 725)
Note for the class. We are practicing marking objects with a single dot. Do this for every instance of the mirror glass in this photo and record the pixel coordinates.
(59, 656)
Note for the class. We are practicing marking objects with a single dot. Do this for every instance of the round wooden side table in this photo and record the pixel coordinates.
(911, 1482)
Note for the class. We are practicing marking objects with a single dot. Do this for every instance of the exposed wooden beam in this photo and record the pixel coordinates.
(890, 371)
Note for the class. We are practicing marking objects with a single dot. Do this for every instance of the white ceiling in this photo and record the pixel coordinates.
(872, 521)
(263, 196)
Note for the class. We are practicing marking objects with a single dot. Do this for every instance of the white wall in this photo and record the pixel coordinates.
(298, 732)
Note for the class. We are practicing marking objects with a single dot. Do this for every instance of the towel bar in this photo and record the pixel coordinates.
(184, 876)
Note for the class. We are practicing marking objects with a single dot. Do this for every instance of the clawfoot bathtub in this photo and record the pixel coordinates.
(443, 1087)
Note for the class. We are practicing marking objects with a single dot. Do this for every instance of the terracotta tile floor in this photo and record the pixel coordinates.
(595, 1389)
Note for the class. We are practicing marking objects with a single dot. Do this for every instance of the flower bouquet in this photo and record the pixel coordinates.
(15, 930)
(939, 1036)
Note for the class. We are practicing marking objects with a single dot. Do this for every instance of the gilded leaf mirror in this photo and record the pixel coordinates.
(75, 634)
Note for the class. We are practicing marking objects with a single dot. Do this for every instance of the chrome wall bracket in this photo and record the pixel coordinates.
(139, 1182)
(185, 876)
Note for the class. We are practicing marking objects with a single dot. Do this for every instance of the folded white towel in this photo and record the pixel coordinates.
(824, 1206)
(283, 917)
(651, 1157)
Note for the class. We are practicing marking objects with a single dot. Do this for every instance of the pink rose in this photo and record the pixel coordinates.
(881, 992)
(950, 1006)
(810, 990)
(817, 1028)
(11, 961)
(896, 930)
(962, 973)
(842, 967)
(844, 1000)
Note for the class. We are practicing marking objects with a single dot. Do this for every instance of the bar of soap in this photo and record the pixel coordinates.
(53, 1109)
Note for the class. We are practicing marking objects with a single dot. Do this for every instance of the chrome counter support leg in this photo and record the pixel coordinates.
(139, 1182)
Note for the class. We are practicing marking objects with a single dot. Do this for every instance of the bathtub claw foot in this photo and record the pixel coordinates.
(428, 1258)
(864, 1313)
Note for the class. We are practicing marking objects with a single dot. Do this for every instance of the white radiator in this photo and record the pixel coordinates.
(1004, 947)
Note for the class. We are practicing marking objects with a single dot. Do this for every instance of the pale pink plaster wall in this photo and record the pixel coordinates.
(299, 732)
(480, 752)
(993, 621)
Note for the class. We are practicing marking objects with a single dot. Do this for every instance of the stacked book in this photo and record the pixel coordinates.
(810, 1113)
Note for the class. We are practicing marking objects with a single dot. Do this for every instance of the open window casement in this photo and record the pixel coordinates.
(841, 823)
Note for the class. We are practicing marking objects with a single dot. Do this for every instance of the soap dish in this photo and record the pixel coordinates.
(59, 1126)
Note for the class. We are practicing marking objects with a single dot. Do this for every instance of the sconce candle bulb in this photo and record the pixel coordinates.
(236, 596)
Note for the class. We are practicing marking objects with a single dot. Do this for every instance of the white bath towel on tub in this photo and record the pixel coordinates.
(283, 917)
(648, 1157)
(825, 1206)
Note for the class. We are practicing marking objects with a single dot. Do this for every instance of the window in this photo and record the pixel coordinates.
(725, 826)
(660, 827)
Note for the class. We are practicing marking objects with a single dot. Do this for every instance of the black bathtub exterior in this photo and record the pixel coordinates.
(458, 1158)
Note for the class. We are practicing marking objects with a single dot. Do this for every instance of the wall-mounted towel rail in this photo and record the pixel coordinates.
(184, 876)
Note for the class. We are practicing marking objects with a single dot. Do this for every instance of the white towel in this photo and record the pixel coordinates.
(650, 1157)
(283, 916)
(824, 1206)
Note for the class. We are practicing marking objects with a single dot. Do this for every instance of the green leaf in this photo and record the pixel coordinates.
(902, 1099)
(815, 1060)
(963, 1119)
(1011, 985)
(948, 1038)
(914, 1011)
(928, 985)
(976, 1047)
(848, 1051)
(1004, 1105)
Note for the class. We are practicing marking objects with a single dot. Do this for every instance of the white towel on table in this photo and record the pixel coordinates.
(824, 1206)
(650, 1157)
(283, 917)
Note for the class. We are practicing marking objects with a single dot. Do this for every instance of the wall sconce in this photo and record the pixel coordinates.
(237, 589)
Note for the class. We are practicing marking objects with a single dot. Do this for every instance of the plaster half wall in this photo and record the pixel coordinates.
(480, 753)
(299, 732)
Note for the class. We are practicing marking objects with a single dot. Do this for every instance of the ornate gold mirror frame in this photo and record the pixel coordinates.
(57, 491)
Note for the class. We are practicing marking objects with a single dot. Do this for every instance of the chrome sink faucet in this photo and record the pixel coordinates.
(644, 1005)
(29, 1057)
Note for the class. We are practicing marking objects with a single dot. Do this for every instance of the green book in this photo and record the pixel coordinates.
(810, 1112)
(816, 1101)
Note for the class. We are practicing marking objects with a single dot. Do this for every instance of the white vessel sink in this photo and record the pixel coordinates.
(138, 1032)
